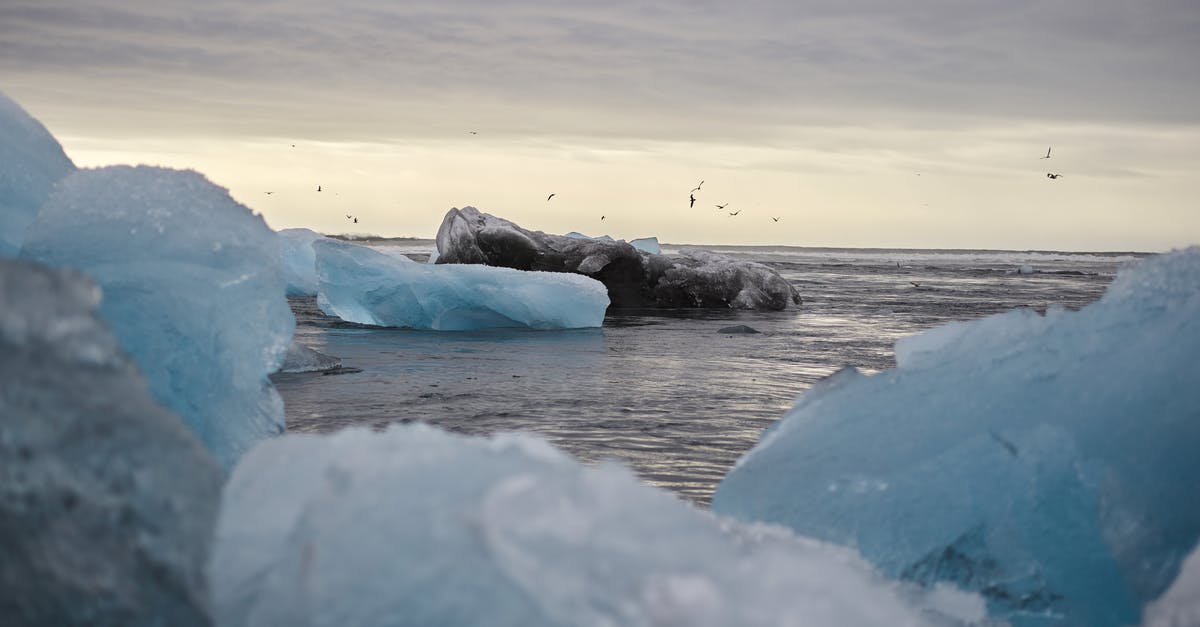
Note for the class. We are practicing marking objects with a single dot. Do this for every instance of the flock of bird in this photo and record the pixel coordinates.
(692, 193)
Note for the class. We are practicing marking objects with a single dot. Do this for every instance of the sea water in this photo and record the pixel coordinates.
(664, 390)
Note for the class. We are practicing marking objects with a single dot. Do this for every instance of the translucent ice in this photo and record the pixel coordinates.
(31, 162)
(299, 261)
(1180, 605)
(363, 285)
(1047, 462)
(192, 290)
(300, 358)
(634, 278)
(647, 245)
(416, 526)
(107, 501)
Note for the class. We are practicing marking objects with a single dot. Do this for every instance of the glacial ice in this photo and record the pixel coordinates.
(192, 290)
(633, 278)
(416, 526)
(31, 162)
(363, 285)
(1180, 605)
(107, 500)
(647, 245)
(1047, 462)
(300, 358)
(299, 260)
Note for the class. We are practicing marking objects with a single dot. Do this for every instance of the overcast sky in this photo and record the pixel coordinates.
(875, 123)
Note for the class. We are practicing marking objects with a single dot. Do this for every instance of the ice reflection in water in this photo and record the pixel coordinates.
(663, 390)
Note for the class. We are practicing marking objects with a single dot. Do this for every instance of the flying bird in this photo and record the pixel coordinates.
(697, 187)
(356, 220)
(1047, 153)
(549, 197)
(691, 200)
(734, 213)
(1051, 175)
(775, 219)
(721, 206)
(318, 188)
(473, 132)
(915, 284)
(349, 217)
(268, 193)
(601, 218)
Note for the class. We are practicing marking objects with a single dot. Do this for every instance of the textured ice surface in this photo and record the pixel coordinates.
(363, 285)
(647, 245)
(415, 526)
(300, 358)
(1048, 462)
(1180, 605)
(107, 500)
(633, 278)
(31, 162)
(192, 290)
(299, 261)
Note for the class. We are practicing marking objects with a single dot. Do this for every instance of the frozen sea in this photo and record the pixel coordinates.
(664, 390)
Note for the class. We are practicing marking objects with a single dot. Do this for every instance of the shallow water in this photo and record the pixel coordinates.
(663, 390)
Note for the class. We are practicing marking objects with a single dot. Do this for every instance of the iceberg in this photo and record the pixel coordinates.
(192, 291)
(107, 500)
(363, 285)
(1048, 463)
(647, 245)
(31, 162)
(416, 526)
(634, 278)
(299, 260)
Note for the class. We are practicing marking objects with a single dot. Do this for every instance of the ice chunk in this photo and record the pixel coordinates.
(31, 162)
(1180, 606)
(415, 526)
(633, 278)
(1049, 463)
(299, 261)
(192, 290)
(300, 358)
(107, 501)
(363, 285)
(647, 245)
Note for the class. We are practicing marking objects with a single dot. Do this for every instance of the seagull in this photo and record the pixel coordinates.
(721, 206)
(1051, 175)
(1047, 153)
(550, 196)
(775, 219)
(691, 200)
(356, 220)
(697, 187)
(915, 284)
(601, 218)
(734, 213)
(473, 132)
(268, 193)
(349, 217)
(318, 188)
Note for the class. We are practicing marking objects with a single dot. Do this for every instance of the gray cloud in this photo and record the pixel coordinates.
(716, 70)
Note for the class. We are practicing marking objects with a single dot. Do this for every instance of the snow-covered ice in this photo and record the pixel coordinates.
(192, 290)
(1047, 462)
(31, 162)
(107, 500)
(415, 526)
(360, 284)
(634, 278)
(299, 261)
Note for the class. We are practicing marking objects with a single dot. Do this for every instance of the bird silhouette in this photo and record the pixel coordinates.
(691, 201)
(697, 187)
(1047, 153)
(915, 284)
(356, 220)
(318, 188)
(473, 132)
(721, 206)
(549, 197)
(734, 213)
(775, 219)
(349, 217)
(601, 218)
(1051, 175)
(268, 193)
